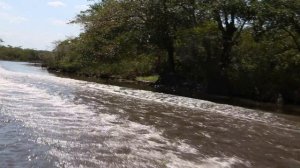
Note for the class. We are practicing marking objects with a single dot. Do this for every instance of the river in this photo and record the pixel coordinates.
(49, 121)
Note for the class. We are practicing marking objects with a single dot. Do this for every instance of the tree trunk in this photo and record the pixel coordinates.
(226, 54)
(171, 63)
(228, 42)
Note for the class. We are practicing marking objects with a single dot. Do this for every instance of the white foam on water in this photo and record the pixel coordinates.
(77, 133)
(205, 106)
(64, 126)
(226, 162)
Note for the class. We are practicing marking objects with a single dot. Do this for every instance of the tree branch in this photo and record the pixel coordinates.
(219, 21)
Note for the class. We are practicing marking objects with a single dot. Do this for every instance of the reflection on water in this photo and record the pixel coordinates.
(47, 121)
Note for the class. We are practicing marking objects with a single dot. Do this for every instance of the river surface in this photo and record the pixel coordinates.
(49, 121)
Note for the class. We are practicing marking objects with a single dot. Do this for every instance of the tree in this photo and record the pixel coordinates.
(149, 22)
(279, 15)
(231, 17)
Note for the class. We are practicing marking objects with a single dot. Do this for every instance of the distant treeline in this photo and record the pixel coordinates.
(20, 54)
(238, 48)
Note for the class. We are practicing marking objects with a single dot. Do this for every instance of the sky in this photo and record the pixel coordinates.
(37, 24)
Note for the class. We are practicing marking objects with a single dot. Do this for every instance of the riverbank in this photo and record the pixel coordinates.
(147, 83)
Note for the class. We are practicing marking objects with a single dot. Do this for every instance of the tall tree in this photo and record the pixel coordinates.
(163, 18)
(149, 21)
(231, 17)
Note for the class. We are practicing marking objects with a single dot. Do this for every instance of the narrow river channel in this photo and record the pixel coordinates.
(49, 121)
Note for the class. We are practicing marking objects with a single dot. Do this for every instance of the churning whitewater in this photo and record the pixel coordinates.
(48, 121)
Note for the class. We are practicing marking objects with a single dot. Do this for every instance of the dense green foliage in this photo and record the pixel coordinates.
(20, 54)
(247, 48)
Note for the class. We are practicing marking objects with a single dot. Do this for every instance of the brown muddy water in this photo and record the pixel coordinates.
(50, 121)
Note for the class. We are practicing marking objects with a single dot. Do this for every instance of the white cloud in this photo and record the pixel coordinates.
(56, 4)
(5, 6)
(12, 18)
